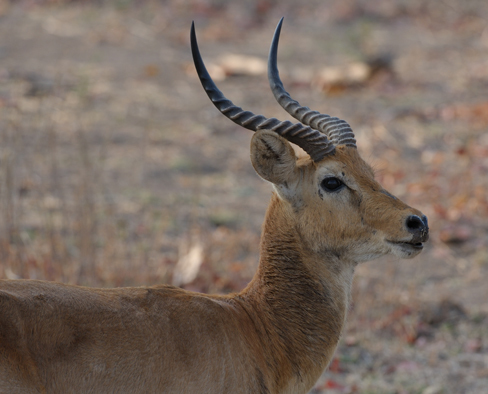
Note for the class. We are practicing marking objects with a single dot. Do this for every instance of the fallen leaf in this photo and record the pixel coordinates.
(455, 233)
(334, 366)
(334, 78)
(332, 384)
(151, 70)
(188, 265)
(473, 345)
(408, 366)
(233, 64)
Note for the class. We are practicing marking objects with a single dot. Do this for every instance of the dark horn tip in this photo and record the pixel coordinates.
(192, 30)
(276, 38)
(202, 72)
(273, 73)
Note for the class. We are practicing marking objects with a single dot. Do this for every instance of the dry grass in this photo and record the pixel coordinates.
(116, 171)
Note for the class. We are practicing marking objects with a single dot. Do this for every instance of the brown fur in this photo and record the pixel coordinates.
(276, 336)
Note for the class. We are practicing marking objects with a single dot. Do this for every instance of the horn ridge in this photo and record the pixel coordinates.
(314, 119)
(316, 144)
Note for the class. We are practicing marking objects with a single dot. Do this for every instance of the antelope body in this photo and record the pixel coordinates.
(327, 214)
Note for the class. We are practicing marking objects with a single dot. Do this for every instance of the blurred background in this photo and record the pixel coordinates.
(116, 170)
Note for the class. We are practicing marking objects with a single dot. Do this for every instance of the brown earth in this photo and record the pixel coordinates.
(116, 170)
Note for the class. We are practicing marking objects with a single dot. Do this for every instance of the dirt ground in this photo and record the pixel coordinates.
(116, 170)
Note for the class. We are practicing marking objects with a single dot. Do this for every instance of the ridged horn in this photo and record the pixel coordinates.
(338, 130)
(316, 144)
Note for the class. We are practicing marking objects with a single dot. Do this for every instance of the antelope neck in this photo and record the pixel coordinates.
(305, 312)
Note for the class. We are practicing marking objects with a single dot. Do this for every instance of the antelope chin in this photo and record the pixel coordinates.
(405, 250)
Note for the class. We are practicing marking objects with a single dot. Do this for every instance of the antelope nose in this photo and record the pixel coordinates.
(419, 227)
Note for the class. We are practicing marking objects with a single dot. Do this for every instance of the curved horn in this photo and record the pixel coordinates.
(338, 130)
(311, 141)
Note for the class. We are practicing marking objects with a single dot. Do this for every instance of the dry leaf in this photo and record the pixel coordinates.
(242, 65)
(455, 233)
(151, 70)
(350, 75)
(188, 265)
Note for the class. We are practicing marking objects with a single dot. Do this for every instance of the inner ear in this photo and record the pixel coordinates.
(273, 158)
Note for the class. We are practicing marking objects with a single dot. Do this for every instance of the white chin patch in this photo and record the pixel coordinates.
(405, 250)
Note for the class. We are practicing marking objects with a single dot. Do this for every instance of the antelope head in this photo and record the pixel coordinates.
(331, 197)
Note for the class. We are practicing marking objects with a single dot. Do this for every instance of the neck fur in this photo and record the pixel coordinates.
(300, 295)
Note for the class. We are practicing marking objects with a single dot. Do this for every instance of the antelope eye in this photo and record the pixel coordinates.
(332, 184)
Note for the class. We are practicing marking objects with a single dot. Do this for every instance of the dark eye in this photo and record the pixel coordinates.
(332, 184)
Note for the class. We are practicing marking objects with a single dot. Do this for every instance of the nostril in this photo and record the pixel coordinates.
(425, 221)
(414, 223)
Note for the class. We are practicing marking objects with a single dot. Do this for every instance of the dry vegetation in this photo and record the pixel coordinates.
(115, 169)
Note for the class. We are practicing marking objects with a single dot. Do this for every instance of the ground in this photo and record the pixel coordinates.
(116, 170)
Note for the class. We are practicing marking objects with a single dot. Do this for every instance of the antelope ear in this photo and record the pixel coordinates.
(273, 158)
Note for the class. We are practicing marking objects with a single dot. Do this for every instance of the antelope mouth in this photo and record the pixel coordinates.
(405, 250)
(415, 245)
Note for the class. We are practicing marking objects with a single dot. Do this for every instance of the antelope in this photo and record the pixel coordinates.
(327, 214)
